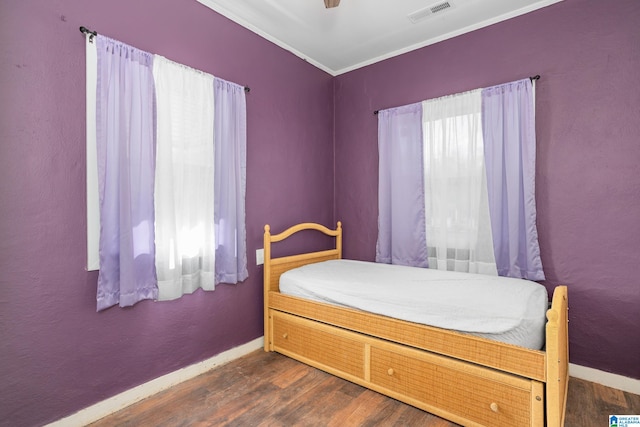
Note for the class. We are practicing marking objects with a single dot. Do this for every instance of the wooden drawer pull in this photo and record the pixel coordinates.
(285, 335)
(494, 407)
(390, 371)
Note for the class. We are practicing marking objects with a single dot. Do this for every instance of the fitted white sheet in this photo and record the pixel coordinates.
(499, 308)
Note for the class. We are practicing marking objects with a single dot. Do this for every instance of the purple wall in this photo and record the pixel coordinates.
(57, 355)
(588, 127)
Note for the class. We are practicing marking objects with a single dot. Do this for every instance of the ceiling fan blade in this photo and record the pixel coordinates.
(331, 3)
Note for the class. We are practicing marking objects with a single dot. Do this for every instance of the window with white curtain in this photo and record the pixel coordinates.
(457, 215)
(184, 221)
(160, 135)
(456, 183)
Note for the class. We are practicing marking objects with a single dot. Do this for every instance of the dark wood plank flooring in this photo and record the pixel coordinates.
(268, 389)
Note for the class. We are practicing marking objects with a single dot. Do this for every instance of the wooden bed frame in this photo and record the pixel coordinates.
(466, 379)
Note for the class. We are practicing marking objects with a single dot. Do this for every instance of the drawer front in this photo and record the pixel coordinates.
(318, 343)
(453, 389)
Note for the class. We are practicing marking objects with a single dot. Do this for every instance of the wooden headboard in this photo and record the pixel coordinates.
(274, 267)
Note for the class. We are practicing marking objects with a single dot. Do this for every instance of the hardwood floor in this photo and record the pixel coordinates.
(268, 389)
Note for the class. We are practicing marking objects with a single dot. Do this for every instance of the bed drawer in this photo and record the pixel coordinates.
(323, 346)
(437, 383)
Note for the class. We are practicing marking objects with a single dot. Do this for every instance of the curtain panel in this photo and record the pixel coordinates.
(457, 213)
(184, 180)
(230, 181)
(508, 124)
(401, 216)
(125, 155)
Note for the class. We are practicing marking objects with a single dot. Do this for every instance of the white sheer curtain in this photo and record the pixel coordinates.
(458, 226)
(184, 183)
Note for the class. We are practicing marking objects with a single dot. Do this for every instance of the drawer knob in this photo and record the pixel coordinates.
(494, 407)
(390, 371)
(285, 335)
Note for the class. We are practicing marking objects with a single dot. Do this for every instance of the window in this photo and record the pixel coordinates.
(205, 141)
(456, 183)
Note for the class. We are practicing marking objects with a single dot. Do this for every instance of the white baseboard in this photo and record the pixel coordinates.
(620, 382)
(101, 409)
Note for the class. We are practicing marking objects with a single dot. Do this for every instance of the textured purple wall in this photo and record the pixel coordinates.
(588, 122)
(57, 355)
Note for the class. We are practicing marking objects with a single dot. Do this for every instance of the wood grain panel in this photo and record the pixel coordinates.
(274, 390)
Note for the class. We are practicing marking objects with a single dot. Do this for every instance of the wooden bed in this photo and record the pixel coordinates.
(466, 379)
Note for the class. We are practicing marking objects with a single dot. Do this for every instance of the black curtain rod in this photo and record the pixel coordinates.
(85, 30)
(536, 77)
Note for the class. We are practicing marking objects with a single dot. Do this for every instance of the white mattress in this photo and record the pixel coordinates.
(499, 308)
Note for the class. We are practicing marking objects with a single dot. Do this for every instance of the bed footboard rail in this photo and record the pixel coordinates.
(557, 357)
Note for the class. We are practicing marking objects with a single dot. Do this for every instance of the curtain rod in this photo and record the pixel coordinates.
(85, 30)
(536, 77)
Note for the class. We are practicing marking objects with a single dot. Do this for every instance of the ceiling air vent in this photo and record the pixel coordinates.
(440, 7)
(425, 13)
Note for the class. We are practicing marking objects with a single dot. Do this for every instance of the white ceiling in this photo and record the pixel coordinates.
(361, 32)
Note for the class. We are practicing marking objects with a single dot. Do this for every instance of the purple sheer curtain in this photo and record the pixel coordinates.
(510, 155)
(125, 145)
(401, 207)
(230, 130)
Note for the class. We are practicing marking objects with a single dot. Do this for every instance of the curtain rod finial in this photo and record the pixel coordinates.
(85, 30)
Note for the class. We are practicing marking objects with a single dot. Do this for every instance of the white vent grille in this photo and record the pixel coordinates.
(426, 12)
